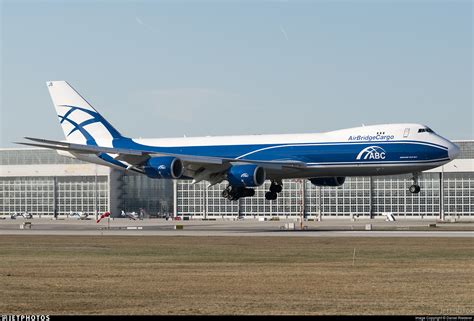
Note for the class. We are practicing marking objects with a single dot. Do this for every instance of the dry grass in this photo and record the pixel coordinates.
(235, 275)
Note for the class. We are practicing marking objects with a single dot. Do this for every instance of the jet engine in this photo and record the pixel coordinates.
(328, 181)
(163, 167)
(246, 175)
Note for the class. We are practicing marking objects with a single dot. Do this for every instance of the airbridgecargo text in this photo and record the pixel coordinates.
(370, 137)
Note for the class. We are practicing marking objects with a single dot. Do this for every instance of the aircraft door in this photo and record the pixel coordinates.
(406, 132)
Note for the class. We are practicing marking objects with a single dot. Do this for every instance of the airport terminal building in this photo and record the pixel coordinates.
(43, 183)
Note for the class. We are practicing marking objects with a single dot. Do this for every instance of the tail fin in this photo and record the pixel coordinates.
(80, 122)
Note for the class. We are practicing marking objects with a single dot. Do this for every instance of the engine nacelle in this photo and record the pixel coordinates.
(164, 167)
(328, 181)
(246, 175)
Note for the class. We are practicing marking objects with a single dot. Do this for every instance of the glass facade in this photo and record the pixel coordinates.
(391, 195)
(193, 197)
(82, 194)
(23, 194)
(288, 202)
(459, 194)
(139, 191)
(466, 149)
(358, 196)
(199, 200)
(353, 197)
(45, 195)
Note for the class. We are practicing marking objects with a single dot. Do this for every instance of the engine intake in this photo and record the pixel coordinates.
(246, 175)
(164, 167)
(328, 181)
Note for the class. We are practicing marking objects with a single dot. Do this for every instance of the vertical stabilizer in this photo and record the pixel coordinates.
(80, 122)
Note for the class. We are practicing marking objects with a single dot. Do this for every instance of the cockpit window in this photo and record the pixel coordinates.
(427, 129)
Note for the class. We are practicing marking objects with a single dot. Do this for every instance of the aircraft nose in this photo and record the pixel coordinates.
(453, 151)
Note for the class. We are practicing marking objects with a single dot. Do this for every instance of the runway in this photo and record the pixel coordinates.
(333, 228)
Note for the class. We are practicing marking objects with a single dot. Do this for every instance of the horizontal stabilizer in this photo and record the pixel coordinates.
(65, 148)
(46, 141)
(83, 148)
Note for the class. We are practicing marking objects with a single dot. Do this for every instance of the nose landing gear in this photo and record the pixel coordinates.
(415, 188)
(233, 193)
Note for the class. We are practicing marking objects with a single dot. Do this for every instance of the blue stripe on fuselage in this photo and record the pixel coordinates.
(336, 152)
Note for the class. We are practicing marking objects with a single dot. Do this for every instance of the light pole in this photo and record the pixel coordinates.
(320, 217)
(441, 194)
(175, 198)
(302, 203)
(95, 194)
(205, 201)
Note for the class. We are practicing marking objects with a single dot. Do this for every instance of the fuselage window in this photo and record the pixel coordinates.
(427, 129)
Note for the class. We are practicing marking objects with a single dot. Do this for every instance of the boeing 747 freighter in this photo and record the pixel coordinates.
(246, 162)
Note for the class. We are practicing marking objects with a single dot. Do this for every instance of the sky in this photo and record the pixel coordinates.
(174, 68)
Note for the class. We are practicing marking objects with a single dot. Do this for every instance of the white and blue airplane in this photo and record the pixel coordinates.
(245, 162)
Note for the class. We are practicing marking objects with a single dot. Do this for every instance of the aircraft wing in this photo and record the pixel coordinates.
(139, 157)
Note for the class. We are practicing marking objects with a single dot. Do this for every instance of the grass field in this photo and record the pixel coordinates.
(235, 275)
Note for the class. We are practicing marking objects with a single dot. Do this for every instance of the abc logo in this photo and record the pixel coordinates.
(372, 153)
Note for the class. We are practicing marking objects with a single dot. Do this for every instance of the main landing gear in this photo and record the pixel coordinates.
(415, 188)
(275, 188)
(234, 193)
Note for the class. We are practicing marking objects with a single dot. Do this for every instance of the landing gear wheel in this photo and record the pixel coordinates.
(270, 196)
(274, 188)
(225, 193)
(234, 197)
(250, 192)
(229, 193)
(233, 193)
(414, 189)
